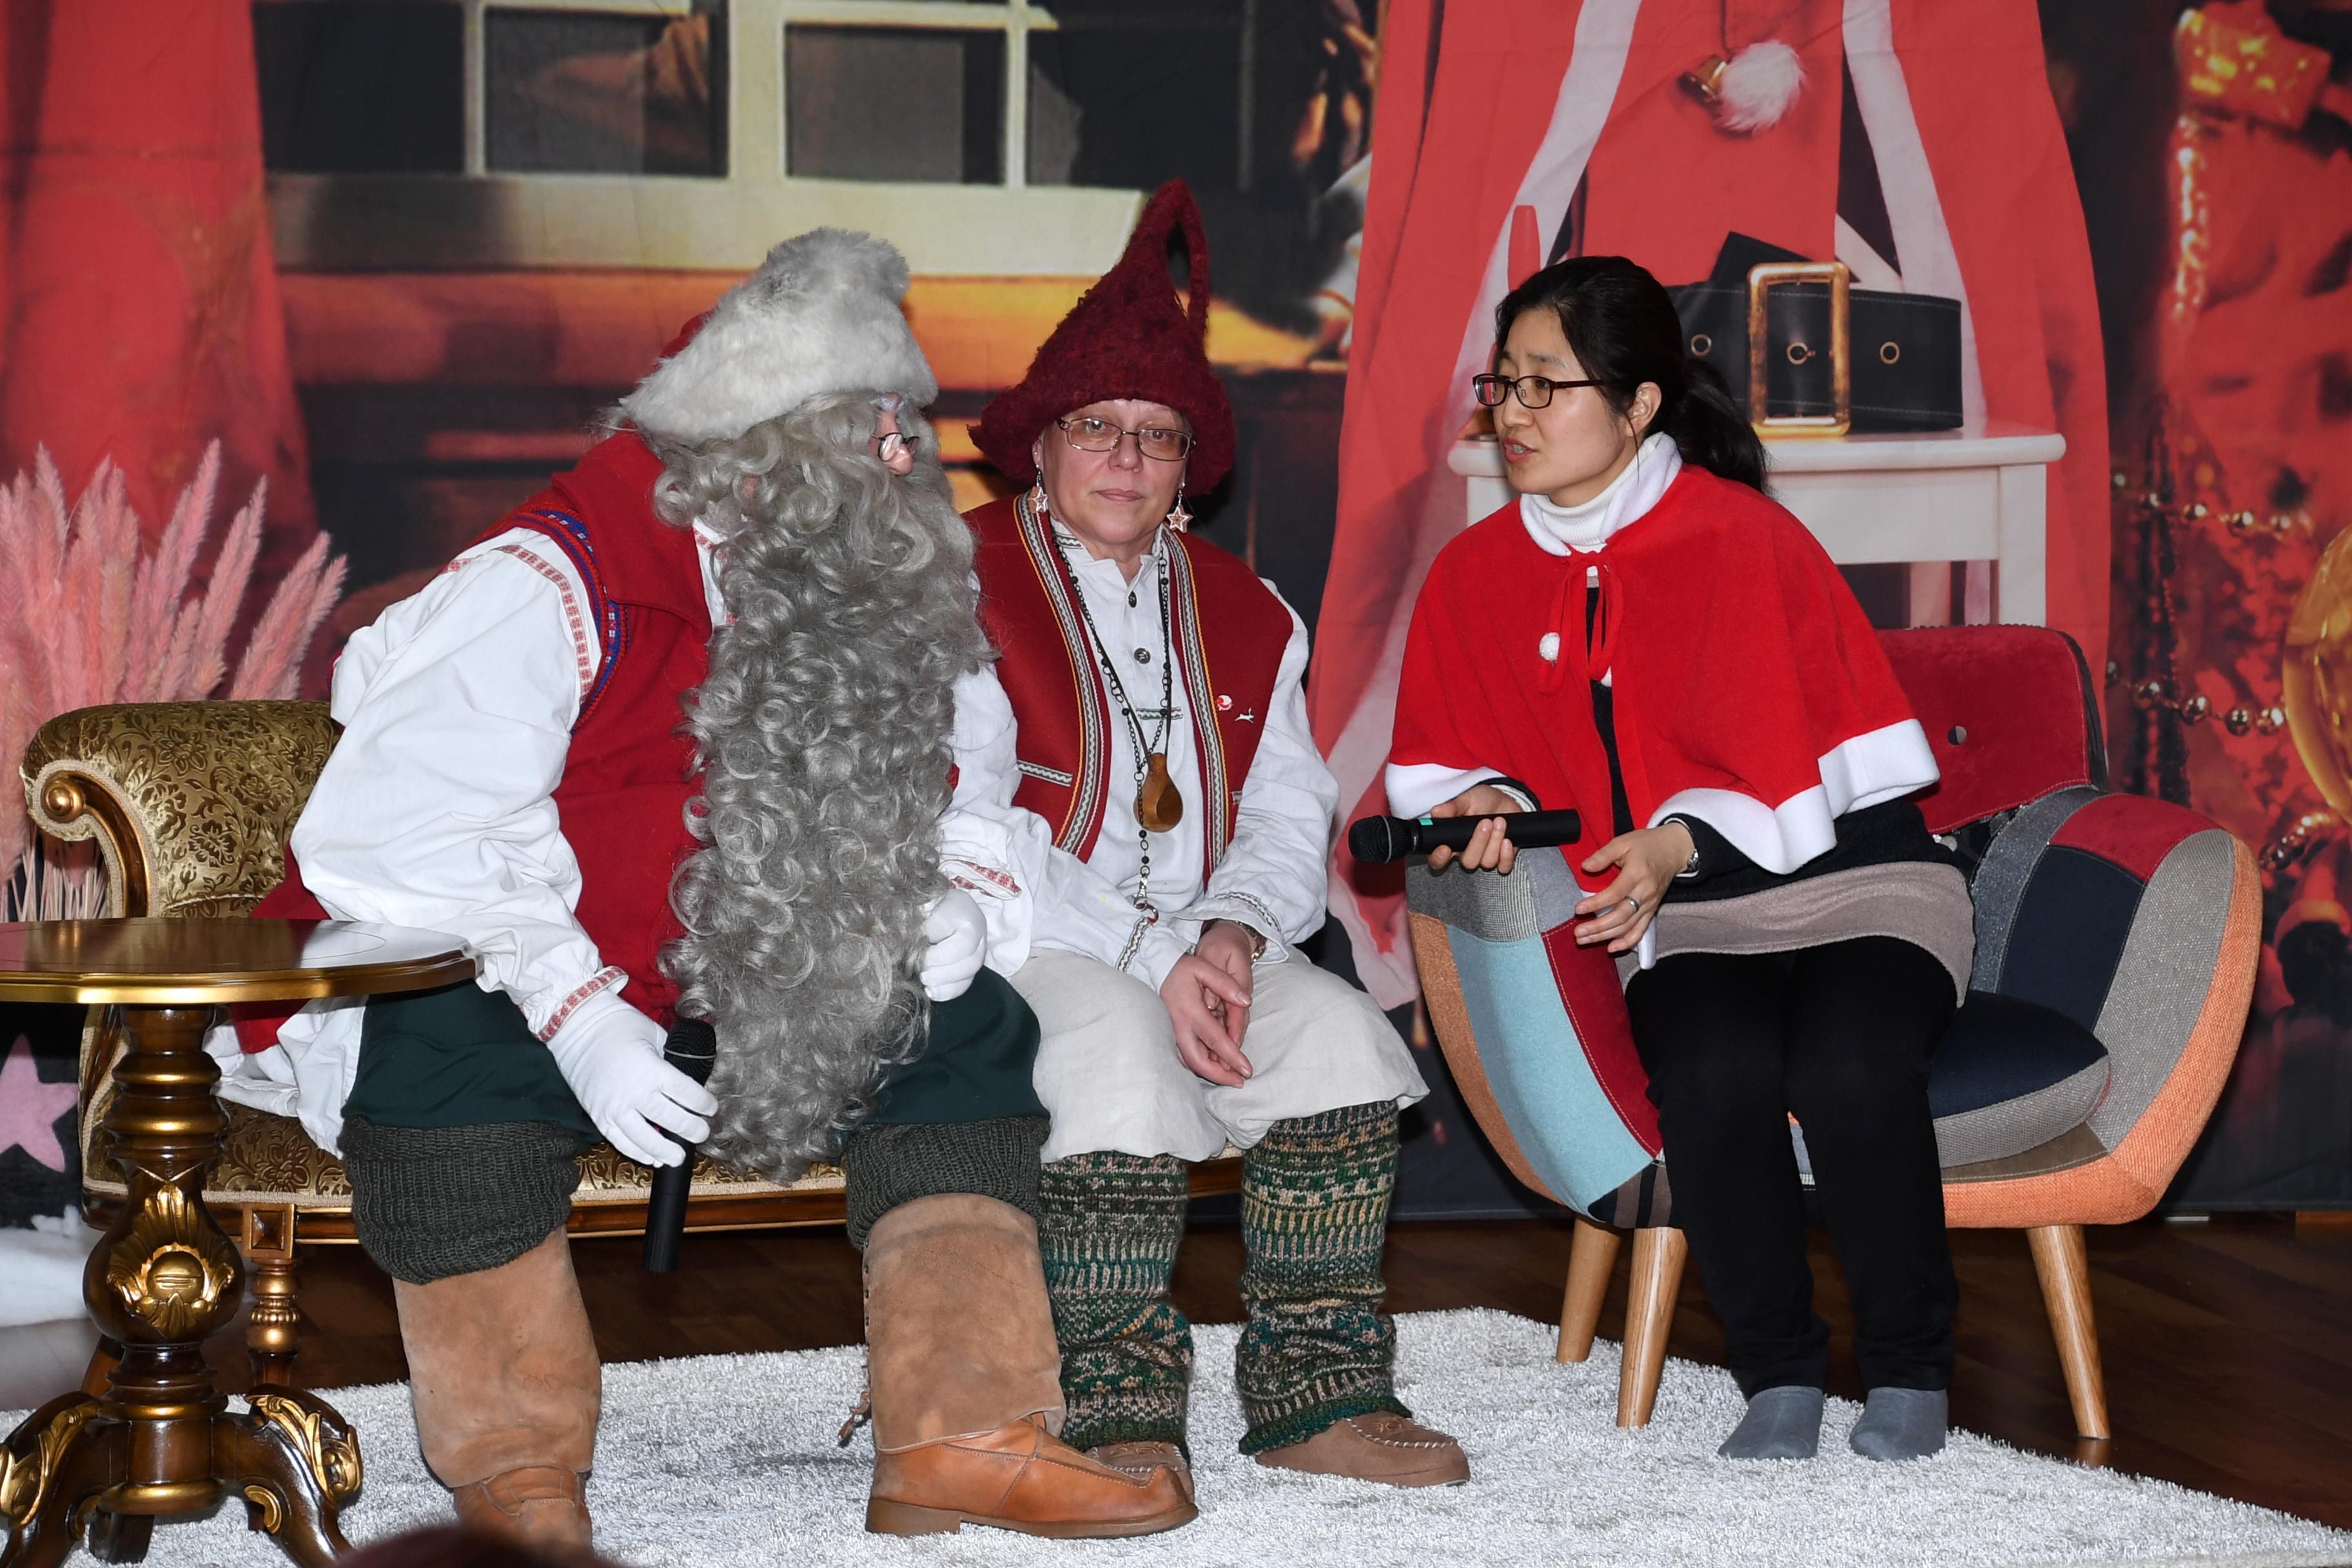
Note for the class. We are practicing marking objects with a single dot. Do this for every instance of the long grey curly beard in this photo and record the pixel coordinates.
(823, 734)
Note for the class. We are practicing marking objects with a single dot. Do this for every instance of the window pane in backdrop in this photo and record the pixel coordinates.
(1128, 95)
(361, 86)
(894, 103)
(584, 92)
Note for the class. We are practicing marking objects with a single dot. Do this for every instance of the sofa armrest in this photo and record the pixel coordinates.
(190, 802)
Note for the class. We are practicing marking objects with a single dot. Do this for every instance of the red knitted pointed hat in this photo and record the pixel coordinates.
(1127, 337)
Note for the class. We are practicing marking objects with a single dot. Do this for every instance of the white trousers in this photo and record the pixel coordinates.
(1108, 1072)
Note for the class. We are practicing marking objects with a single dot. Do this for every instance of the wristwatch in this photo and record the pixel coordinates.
(1257, 937)
(1690, 866)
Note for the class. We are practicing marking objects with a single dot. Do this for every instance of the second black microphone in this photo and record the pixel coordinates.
(693, 1049)
(1377, 840)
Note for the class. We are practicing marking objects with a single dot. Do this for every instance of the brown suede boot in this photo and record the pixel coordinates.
(506, 1387)
(966, 1391)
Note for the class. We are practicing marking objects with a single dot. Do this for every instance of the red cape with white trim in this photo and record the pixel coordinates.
(1748, 688)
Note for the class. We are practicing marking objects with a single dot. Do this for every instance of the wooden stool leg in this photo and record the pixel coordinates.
(119, 1537)
(272, 1327)
(1658, 1254)
(1591, 1257)
(54, 1467)
(104, 1357)
(2060, 1259)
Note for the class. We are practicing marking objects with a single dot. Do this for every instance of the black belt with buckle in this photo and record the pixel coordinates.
(1822, 357)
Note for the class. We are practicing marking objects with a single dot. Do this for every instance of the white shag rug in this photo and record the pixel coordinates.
(40, 1269)
(720, 1461)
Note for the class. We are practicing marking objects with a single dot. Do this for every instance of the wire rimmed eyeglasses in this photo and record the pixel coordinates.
(1160, 442)
(1532, 391)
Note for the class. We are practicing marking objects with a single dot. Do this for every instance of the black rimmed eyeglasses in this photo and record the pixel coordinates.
(1532, 391)
(1088, 434)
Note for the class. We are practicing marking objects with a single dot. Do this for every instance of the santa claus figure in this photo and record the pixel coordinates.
(675, 740)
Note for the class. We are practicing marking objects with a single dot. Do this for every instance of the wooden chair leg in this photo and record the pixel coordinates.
(104, 1357)
(272, 1327)
(2064, 1266)
(1658, 1254)
(1591, 1257)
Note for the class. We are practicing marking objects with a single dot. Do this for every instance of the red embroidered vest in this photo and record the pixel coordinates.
(627, 777)
(1229, 637)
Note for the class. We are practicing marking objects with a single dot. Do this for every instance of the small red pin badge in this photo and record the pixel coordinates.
(1225, 702)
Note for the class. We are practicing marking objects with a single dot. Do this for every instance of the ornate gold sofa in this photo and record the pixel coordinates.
(191, 803)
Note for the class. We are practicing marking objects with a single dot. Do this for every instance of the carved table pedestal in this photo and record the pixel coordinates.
(162, 1440)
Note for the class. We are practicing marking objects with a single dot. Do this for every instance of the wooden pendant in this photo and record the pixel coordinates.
(1157, 805)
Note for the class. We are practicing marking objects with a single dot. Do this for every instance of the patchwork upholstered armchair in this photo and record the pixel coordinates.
(2117, 942)
(191, 803)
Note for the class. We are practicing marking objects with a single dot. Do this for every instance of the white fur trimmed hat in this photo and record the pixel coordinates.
(822, 315)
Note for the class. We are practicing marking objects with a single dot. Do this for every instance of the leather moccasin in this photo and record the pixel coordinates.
(1383, 1447)
(1021, 1478)
(1140, 1459)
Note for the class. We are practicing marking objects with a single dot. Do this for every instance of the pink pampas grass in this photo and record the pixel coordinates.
(274, 648)
(87, 617)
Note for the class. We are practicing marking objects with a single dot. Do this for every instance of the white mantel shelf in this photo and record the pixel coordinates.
(1975, 495)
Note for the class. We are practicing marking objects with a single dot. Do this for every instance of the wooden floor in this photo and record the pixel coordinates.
(2228, 1343)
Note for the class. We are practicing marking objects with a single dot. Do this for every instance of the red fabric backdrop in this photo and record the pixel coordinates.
(142, 316)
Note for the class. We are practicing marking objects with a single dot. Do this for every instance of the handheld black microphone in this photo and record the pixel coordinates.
(693, 1049)
(1377, 840)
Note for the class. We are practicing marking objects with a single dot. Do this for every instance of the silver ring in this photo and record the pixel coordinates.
(1634, 905)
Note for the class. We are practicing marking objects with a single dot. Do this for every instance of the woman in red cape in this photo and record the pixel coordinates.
(1946, 151)
(1644, 637)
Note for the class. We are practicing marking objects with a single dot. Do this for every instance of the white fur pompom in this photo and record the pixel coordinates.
(1758, 87)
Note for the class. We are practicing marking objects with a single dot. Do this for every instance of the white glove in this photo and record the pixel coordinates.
(959, 939)
(611, 1055)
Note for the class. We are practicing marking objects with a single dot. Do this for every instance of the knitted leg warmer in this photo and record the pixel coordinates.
(887, 1163)
(1314, 1211)
(1109, 1233)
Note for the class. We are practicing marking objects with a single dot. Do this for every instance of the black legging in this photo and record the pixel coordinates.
(1839, 1036)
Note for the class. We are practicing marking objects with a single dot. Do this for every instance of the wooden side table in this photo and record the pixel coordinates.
(1978, 496)
(162, 1440)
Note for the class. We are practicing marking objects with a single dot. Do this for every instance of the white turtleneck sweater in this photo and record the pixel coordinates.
(1588, 525)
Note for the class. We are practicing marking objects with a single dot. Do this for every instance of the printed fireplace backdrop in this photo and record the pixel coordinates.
(396, 255)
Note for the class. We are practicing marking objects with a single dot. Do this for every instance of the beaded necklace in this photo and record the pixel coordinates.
(1159, 806)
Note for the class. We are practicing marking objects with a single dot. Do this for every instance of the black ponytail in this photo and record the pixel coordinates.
(1620, 325)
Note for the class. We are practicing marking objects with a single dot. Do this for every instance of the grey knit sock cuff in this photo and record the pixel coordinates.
(431, 1201)
(889, 1164)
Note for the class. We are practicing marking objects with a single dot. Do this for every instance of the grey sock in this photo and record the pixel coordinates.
(1901, 1423)
(1782, 1423)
